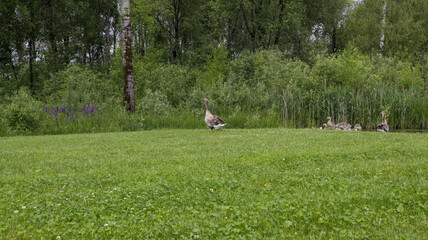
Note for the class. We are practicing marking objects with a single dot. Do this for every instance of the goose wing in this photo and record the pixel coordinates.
(382, 127)
(217, 121)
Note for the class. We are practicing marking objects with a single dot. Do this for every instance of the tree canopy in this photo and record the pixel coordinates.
(42, 37)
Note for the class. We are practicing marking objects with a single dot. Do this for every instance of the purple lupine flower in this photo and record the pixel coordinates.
(45, 107)
(69, 117)
(86, 109)
(89, 110)
(56, 108)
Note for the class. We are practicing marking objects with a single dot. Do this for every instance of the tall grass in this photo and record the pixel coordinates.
(109, 119)
(405, 108)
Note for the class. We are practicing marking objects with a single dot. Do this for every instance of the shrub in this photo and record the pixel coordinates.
(401, 74)
(194, 102)
(245, 66)
(215, 70)
(154, 104)
(174, 81)
(76, 86)
(3, 125)
(24, 113)
(349, 70)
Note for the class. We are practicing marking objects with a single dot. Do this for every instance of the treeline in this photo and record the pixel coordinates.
(262, 63)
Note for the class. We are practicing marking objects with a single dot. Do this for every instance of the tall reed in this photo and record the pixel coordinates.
(405, 108)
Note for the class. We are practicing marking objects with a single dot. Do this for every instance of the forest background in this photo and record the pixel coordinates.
(268, 63)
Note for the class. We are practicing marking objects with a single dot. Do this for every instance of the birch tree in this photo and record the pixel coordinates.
(382, 37)
(127, 66)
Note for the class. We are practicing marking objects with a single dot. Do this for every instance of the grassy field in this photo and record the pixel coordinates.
(232, 184)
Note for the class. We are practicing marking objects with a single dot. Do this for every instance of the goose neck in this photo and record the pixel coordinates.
(206, 105)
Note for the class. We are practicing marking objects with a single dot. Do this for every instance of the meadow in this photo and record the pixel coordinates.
(234, 184)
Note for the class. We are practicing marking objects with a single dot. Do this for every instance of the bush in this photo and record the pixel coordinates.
(349, 70)
(3, 125)
(110, 117)
(154, 104)
(194, 101)
(174, 81)
(24, 113)
(77, 86)
(215, 70)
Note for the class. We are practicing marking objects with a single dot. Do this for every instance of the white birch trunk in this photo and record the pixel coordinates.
(128, 68)
(382, 38)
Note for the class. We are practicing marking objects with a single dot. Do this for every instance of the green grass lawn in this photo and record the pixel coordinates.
(231, 184)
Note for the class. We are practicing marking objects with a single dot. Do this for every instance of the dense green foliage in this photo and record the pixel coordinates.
(261, 63)
(23, 114)
(77, 86)
(180, 184)
(261, 89)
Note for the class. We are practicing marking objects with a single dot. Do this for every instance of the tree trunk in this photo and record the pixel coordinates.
(281, 14)
(251, 30)
(177, 6)
(11, 63)
(30, 63)
(382, 38)
(334, 40)
(128, 68)
(51, 27)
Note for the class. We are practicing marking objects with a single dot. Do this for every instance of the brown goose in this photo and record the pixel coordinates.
(212, 121)
(382, 127)
(357, 127)
(344, 126)
(330, 124)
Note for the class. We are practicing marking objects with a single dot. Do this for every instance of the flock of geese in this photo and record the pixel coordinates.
(381, 127)
(341, 126)
(214, 122)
